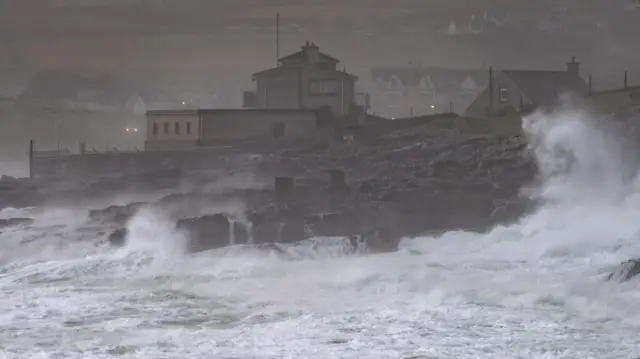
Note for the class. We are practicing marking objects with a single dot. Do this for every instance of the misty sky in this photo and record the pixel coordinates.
(213, 47)
(218, 44)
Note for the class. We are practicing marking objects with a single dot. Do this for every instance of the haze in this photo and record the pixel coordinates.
(205, 51)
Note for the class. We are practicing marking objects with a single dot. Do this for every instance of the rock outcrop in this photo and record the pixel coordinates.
(116, 214)
(206, 232)
(626, 271)
(118, 237)
(19, 192)
(13, 222)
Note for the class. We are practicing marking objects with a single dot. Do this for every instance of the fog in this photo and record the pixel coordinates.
(196, 53)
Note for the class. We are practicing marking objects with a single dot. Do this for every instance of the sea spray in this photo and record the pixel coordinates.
(533, 289)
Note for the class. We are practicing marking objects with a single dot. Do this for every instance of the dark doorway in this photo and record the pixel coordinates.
(277, 129)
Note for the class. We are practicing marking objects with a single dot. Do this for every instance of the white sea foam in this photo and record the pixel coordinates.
(533, 289)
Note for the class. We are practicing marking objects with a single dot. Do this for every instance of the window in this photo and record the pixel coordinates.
(166, 128)
(277, 129)
(323, 87)
(426, 85)
(188, 128)
(177, 129)
(395, 83)
(155, 128)
(504, 94)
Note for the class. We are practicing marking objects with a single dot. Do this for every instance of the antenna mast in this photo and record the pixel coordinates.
(277, 38)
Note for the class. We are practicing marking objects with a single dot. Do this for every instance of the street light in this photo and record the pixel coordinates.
(130, 131)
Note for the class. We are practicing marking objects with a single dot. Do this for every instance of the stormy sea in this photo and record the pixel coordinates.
(535, 288)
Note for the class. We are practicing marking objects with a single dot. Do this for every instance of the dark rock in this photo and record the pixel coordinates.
(241, 233)
(20, 192)
(117, 214)
(333, 224)
(12, 222)
(118, 237)
(626, 271)
(381, 241)
(280, 232)
(269, 248)
(206, 232)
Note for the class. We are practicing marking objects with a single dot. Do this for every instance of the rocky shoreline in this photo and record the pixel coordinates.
(433, 176)
(387, 184)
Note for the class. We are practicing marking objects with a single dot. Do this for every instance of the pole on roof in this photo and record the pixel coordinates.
(521, 103)
(277, 39)
(31, 150)
(491, 89)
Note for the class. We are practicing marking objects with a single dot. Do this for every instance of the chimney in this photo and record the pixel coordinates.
(573, 67)
(311, 52)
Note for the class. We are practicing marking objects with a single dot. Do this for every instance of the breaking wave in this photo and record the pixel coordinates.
(531, 289)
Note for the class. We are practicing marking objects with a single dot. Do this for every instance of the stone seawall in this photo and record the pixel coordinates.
(104, 164)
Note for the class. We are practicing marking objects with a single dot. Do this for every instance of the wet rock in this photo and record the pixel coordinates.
(280, 232)
(381, 241)
(206, 232)
(20, 192)
(267, 248)
(118, 237)
(626, 271)
(13, 222)
(333, 224)
(241, 234)
(116, 214)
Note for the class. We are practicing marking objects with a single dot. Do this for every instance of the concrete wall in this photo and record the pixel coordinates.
(172, 130)
(125, 163)
(173, 125)
(252, 124)
(292, 89)
(280, 90)
(169, 145)
(512, 102)
(339, 102)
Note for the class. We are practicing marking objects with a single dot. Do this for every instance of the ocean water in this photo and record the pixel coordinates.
(531, 289)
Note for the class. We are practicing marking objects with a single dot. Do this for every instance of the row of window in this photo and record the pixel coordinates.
(176, 128)
(324, 87)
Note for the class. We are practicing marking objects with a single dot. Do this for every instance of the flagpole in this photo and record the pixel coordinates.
(277, 39)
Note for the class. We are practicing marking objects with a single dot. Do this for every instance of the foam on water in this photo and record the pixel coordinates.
(533, 289)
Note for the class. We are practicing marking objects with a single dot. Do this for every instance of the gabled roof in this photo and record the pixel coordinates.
(543, 87)
(280, 69)
(300, 57)
(443, 79)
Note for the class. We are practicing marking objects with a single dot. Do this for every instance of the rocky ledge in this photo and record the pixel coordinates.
(626, 271)
(424, 176)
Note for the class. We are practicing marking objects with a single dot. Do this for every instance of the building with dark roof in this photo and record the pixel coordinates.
(307, 79)
(520, 91)
(415, 90)
(296, 99)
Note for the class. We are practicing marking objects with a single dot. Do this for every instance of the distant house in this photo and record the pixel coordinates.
(73, 91)
(307, 79)
(525, 90)
(415, 90)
